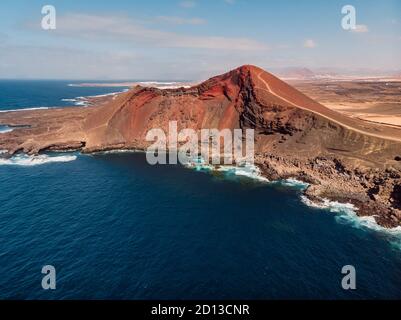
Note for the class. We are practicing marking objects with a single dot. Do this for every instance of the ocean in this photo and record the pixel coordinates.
(26, 94)
(115, 227)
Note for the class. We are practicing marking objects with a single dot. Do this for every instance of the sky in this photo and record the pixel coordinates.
(194, 39)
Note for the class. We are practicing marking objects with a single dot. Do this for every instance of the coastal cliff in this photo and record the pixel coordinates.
(343, 159)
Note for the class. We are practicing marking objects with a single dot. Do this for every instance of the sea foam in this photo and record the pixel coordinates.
(83, 101)
(248, 170)
(245, 170)
(294, 183)
(5, 129)
(26, 109)
(27, 160)
(346, 214)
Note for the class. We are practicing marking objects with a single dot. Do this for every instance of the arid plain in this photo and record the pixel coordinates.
(375, 100)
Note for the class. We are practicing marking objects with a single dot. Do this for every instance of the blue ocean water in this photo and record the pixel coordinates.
(21, 94)
(115, 227)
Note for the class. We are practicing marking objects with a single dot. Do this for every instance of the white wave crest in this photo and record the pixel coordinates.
(26, 109)
(84, 101)
(5, 129)
(69, 100)
(26, 160)
(78, 101)
(108, 94)
(294, 183)
(346, 214)
(333, 206)
(247, 170)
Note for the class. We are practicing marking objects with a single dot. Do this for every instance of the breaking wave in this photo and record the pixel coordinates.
(248, 170)
(28, 161)
(5, 129)
(84, 101)
(26, 109)
(78, 101)
(332, 206)
(346, 214)
(108, 94)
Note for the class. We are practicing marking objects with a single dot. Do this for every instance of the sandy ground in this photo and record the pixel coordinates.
(373, 101)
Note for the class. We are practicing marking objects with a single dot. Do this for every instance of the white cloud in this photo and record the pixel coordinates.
(309, 43)
(360, 28)
(50, 62)
(118, 28)
(187, 4)
(64, 62)
(181, 21)
(229, 1)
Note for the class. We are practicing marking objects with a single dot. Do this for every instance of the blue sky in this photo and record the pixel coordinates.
(193, 39)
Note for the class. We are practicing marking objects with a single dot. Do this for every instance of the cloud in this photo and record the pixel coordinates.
(63, 62)
(119, 28)
(54, 62)
(229, 1)
(187, 4)
(181, 21)
(360, 28)
(309, 43)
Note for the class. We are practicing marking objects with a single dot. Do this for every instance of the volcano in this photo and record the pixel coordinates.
(343, 159)
(247, 97)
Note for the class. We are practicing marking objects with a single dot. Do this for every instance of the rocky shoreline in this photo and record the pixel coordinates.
(372, 192)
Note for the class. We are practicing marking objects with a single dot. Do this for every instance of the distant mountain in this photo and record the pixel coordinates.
(294, 73)
(301, 73)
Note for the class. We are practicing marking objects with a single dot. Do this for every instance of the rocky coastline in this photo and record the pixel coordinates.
(372, 192)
